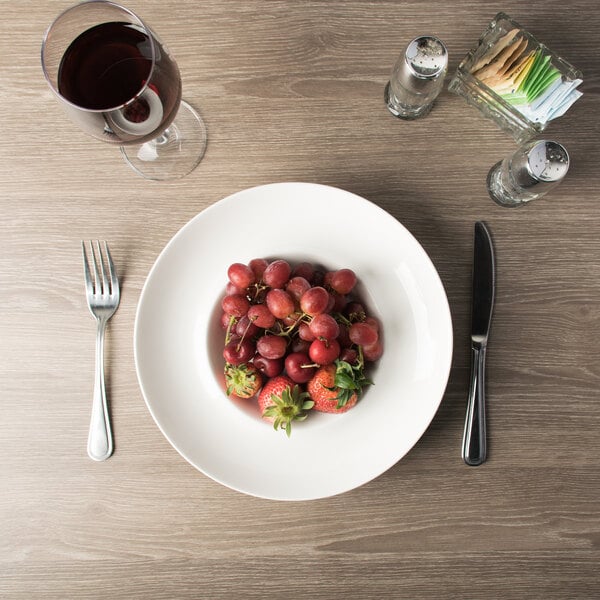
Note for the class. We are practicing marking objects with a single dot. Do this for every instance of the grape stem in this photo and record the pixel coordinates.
(286, 332)
(232, 321)
(258, 289)
(244, 334)
(361, 359)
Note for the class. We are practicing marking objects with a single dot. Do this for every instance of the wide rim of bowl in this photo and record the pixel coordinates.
(444, 307)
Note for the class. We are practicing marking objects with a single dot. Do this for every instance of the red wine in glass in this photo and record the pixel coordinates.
(119, 83)
(106, 67)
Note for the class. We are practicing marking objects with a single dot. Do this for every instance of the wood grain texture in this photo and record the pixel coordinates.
(292, 91)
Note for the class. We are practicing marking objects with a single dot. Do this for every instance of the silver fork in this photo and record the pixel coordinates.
(102, 292)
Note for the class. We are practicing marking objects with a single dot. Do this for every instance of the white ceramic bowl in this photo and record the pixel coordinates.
(178, 343)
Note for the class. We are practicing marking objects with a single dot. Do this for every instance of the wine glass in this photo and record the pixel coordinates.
(118, 82)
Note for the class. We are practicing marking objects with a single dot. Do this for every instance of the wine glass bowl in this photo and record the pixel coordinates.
(118, 82)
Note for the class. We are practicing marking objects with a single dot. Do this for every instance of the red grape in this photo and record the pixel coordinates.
(246, 328)
(299, 367)
(304, 269)
(373, 322)
(237, 352)
(304, 332)
(261, 316)
(277, 273)
(299, 345)
(258, 266)
(271, 346)
(327, 278)
(343, 281)
(296, 286)
(344, 337)
(363, 334)
(280, 303)
(350, 355)
(324, 352)
(339, 302)
(231, 290)
(330, 303)
(225, 320)
(314, 301)
(318, 277)
(240, 275)
(236, 305)
(373, 352)
(270, 367)
(324, 326)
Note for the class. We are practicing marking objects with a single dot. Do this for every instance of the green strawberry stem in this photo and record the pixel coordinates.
(349, 379)
(290, 406)
(240, 380)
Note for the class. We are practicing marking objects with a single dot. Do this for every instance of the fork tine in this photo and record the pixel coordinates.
(97, 283)
(86, 271)
(114, 281)
(105, 287)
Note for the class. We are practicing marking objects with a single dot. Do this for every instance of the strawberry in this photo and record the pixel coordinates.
(243, 380)
(281, 401)
(335, 388)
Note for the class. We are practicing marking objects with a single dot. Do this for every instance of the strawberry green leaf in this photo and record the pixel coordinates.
(290, 405)
(345, 381)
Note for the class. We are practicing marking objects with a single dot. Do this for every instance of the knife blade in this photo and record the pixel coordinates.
(474, 450)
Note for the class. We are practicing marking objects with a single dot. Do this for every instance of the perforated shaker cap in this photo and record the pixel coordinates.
(426, 57)
(548, 161)
(540, 163)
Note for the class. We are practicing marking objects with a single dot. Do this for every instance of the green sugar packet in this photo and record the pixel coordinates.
(541, 71)
(515, 98)
(542, 84)
(538, 66)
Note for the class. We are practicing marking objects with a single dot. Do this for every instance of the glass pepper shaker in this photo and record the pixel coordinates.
(531, 172)
(417, 78)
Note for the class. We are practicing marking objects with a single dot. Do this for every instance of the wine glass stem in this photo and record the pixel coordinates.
(163, 138)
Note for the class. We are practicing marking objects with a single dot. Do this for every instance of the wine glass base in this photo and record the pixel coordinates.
(175, 153)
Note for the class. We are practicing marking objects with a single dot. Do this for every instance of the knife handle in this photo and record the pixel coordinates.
(474, 437)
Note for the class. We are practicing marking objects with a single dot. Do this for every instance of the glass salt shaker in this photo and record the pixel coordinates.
(417, 78)
(530, 173)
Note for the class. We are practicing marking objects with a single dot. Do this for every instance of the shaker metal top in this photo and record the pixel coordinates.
(540, 164)
(548, 161)
(426, 57)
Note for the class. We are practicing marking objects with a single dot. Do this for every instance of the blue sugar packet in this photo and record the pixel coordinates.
(554, 102)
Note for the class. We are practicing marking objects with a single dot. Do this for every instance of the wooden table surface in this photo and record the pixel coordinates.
(292, 91)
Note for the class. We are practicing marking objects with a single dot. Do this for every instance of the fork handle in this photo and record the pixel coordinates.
(100, 444)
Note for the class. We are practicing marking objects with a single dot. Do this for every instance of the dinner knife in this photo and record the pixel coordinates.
(474, 437)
